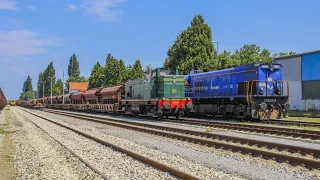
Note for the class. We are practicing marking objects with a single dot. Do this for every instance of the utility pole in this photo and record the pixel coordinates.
(217, 52)
(43, 90)
(51, 87)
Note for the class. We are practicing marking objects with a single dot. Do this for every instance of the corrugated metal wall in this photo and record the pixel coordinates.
(304, 75)
(310, 67)
(311, 81)
(295, 95)
(311, 89)
(291, 70)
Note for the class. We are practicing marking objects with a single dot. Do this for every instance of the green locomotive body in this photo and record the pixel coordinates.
(160, 93)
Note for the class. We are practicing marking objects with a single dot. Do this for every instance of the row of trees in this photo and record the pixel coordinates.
(115, 72)
(27, 90)
(193, 49)
(49, 74)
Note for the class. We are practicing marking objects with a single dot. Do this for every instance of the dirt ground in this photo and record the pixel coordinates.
(7, 151)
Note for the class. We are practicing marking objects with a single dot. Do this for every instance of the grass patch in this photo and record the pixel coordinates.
(208, 130)
(2, 131)
(303, 127)
(287, 126)
(302, 119)
(309, 114)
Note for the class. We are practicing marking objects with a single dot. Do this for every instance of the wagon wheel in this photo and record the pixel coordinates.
(177, 115)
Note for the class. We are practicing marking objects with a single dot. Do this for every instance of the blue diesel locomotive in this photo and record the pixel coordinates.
(254, 91)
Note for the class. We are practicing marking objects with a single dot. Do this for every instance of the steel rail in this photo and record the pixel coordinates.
(154, 129)
(295, 123)
(315, 135)
(153, 163)
(68, 149)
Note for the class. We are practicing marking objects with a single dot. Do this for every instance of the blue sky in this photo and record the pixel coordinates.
(35, 32)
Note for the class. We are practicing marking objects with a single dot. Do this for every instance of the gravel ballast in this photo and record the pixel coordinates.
(113, 164)
(230, 163)
(294, 141)
(38, 156)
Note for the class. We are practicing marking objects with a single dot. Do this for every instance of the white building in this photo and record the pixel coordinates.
(303, 73)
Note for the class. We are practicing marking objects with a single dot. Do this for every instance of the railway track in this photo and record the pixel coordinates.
(68, 149)
(293, 123)
(314, 135)
(150, 162)
(235, 144)
(282, 131)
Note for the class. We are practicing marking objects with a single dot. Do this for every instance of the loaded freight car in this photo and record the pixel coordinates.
(160, 93)
(3, 100)
(250, 91)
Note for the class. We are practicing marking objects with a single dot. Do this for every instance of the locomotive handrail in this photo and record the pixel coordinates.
(249, 94)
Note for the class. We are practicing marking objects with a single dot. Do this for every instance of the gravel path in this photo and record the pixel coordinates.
(38, 156)
(112, 163)
(7, 151)
(230, 163)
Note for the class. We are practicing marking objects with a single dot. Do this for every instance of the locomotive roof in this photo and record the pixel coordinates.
(229, 70)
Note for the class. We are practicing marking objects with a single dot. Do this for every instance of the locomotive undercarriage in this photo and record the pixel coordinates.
(258, 109)
(151, 108)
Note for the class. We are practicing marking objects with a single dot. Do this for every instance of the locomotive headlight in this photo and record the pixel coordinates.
(261, 92)
(276, 66)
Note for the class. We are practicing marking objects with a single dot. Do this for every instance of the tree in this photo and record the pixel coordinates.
(129, 73)
(138, 71)
(40, 85)
(265, 56)
(28, 95)
(73, 67)
(27, 85)
(284, 54)
(112, 72)
(193, 48)
(58, 88)
(226, 60)
(96, 78)
(249, 54)
(74, 72)
(123, 71)
(148, 68)
(47, 74)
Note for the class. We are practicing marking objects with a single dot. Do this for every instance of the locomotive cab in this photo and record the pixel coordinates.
(268, 95)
